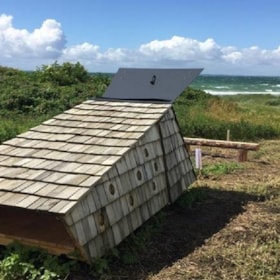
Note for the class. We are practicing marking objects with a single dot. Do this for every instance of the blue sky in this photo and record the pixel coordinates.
(221, 36)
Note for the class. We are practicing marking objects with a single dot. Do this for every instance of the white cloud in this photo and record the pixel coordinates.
(180, 48)
(46, 42)
(83, 51)
(25, 49)
(5, 21)
(231, 55)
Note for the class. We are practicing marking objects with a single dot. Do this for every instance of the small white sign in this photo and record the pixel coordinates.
(198, 159)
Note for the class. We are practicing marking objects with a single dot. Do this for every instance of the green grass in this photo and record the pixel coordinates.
(221, 168)
(248, 117)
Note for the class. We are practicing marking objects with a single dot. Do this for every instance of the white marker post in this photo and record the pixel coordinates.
(198, 159)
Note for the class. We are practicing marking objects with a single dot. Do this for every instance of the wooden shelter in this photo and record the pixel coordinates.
(84, 180)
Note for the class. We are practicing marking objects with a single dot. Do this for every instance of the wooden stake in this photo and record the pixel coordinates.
(228, 135)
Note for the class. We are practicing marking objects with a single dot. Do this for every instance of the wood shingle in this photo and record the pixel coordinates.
(100, 170)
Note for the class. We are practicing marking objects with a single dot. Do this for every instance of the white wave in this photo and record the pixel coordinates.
(222, 87)
(213, 92)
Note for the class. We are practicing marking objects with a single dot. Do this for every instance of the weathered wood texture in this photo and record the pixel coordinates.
(134, 189)
(53, 165)
(222, 143)
(242, 147)
(102, 168)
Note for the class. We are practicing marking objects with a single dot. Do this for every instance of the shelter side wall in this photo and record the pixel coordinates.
(154, 172)
(130, 193)
(179, 169)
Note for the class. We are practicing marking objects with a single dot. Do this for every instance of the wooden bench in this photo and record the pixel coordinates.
(242, 147)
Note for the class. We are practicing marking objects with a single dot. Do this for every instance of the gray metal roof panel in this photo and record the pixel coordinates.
(150, 84)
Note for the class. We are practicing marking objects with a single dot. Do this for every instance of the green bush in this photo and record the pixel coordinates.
(26, 263)
(12, 268)
(28, 98)
(63, 75)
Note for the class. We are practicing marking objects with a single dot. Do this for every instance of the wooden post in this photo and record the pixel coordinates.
(242, 155)
(188, 148)
(228, 135)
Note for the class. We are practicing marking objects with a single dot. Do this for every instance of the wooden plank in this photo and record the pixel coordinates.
(221, 143)
(145, 122)
(60, 205)
(10, 184)
(44, 204)
(144, 211)
(124, 204)
(5, 195)
(21, 151)
(54, 177)
(79, 193)
(110, 160)
(114, 212)
(136, 218)
(122, 166)
(66, 208)
(87, 232)
(66, 167)
(58, 155)
(12, 199)
(92, 226)
(149, 190)
(125, 183)
(108, 239)
(53, 191)
(93, 200)
(10, 143)
(32, 187)
(22, 186)
(31, 163)
(72, 179)
(96, 247)
(53, 248)
(90, 181)
(27, 201)
(88, 199)
(118, 237)
(77, 213)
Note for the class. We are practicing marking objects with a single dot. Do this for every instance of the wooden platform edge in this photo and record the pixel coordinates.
(53, 248)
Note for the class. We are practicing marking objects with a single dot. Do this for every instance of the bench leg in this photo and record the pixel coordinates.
(188, 148)
(242, 155)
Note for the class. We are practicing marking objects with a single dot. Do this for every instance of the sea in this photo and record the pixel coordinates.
(229, 85)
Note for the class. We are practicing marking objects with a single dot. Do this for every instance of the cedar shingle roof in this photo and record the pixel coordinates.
(51, 166)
